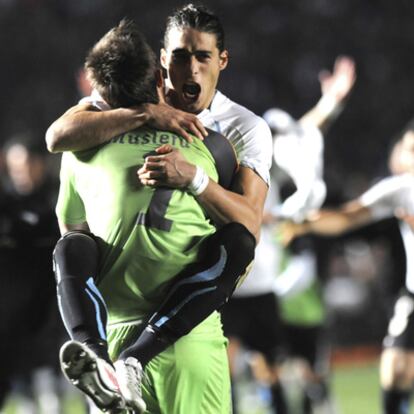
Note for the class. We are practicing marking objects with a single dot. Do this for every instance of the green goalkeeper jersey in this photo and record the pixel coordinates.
(146, 235)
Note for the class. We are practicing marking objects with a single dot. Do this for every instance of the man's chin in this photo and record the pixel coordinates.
(191, 106)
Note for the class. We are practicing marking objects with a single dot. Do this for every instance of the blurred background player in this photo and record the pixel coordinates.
(29, 328)
(253, 317)
(393, 195)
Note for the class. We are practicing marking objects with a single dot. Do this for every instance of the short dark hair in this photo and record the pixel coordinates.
(198, 18)
(408, 127)
(121, 67)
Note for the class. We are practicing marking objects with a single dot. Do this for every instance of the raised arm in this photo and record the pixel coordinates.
(84, 126)
(350, 216)
(335, 87)
(328, 222)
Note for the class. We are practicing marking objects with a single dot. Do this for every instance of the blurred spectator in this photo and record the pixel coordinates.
(28, 232)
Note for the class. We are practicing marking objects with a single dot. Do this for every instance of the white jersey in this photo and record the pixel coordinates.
(248, 133)
(96, 100)
(384, 199)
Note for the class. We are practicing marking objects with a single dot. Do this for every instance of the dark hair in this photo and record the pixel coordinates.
(407, 128)
(198, 18)
(396, 138)
(121, 67)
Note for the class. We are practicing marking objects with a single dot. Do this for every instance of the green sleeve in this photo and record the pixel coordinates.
(69, 208)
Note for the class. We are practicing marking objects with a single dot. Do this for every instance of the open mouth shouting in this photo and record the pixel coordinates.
(191, 91)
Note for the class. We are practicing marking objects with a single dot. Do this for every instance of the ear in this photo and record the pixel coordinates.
(163, 58)
(160, 85)
(159, 78)
(224, 59)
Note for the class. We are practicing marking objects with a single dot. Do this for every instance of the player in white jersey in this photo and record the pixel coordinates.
(251, 318)
(193, 58)
(392, 196)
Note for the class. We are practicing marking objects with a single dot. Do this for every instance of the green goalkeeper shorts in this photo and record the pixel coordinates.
(190, 377)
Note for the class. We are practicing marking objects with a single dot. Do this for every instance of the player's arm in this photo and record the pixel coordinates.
(336, 87)
(243, 204)
(335, 222)
(329, 222)
(84, 126)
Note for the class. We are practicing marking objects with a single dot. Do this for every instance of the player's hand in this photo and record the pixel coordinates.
(402, 214)
(289, 230)
(168, 168)
(338, 83)
(165, 117)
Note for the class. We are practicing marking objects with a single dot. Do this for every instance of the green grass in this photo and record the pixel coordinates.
(356, 389)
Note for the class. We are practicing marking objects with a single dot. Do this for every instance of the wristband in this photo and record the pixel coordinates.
(199, 182)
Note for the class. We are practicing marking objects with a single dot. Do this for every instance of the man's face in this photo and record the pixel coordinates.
(193, 64)
(26, 171)
(407, 151)
(402, 156)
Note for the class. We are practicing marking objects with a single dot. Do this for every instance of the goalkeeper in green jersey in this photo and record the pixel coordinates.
(146, 261)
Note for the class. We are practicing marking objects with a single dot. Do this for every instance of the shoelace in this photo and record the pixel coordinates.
(133, 375)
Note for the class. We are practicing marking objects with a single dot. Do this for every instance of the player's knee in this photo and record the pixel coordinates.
(75, 244)
(241, 239)
(400, 373)
(76, 253)
(400, 378)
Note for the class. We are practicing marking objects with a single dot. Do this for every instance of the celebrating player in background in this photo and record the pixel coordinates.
(391, 196)
(251, 318)
(194, 56)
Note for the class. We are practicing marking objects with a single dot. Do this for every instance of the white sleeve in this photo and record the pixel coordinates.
(96, 100)
(248, 133)
(298, 275)
(254, 150)
(300, 153)
(385, 196)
